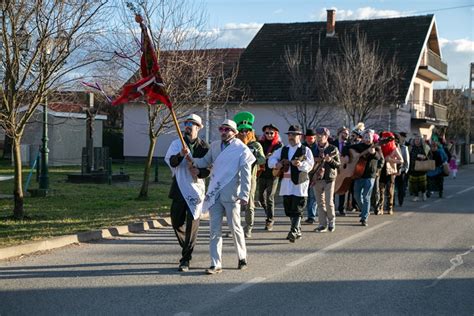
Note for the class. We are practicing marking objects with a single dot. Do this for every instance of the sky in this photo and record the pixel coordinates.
(236, 22)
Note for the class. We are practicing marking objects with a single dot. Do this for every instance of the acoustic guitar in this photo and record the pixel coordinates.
(318, 170)
(354, 169)
(286, 166)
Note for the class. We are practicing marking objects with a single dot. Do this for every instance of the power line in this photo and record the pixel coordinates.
(388, 16)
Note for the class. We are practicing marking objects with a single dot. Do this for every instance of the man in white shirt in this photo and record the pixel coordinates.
(294, 161)
(229, 188)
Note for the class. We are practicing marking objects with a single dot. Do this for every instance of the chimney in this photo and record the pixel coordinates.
(331, 23)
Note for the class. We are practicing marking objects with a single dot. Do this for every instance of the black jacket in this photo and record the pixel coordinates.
(330, 167)
(199, 150)
(267, 173)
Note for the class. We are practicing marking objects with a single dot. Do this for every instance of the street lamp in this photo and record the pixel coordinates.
(44, 67)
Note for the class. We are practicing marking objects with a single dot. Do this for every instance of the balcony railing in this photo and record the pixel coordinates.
(432, 66)
(432, 112)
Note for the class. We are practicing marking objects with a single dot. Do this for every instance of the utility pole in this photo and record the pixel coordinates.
(469, 115)
(89, 134)
(208, 93)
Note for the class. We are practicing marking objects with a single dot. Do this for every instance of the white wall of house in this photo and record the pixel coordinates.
(66, 136)
(136, 127)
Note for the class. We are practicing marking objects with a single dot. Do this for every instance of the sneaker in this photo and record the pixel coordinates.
(390, 212)
(309, 221)
(342, 213)
(321, 229)
(331, 228)
(364, 223)
(213, 270)
(291, 237)
(184, 266)
(299, 235)
(248, 233)
(269, 226)
(242, 264)
(415, 199)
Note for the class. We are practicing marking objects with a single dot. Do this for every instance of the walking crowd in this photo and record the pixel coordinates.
(358, 170)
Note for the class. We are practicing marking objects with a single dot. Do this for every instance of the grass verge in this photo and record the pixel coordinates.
(73, 208)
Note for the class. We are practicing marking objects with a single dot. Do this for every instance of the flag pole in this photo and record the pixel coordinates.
(176, 124)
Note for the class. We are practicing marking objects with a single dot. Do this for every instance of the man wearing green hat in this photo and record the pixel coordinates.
(244, 121)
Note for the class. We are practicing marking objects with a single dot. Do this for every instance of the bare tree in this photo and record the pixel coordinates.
(305, 78)
(457, 114)
(43, 43)
(178, 32)
(359, 78)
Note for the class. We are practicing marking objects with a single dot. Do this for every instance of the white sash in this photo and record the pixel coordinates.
(192, 191)
(224, 169)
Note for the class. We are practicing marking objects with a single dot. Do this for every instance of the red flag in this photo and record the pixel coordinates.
(151, 85)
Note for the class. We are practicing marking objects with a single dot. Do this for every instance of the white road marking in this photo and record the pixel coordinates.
(182, 314)
(465, 190)
(407, 214)
(425, 206)
(247, 284)
(437, 201)
(337, 244)
(450, 196)
(455, 262)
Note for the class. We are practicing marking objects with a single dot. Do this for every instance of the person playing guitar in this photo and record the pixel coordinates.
(363, 184)
(267, 182)
(295, 181)
(325, 173)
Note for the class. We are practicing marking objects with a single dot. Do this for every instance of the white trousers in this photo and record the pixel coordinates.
(232, 213)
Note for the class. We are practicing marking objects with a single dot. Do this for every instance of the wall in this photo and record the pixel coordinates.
(66, 136)
(136, 138)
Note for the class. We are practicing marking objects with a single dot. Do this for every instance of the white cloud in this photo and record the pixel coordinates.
(236, 34)
(462, 45)
(360, 14)
(279, 11)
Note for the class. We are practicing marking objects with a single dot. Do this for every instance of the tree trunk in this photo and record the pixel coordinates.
(18, 212)
(146, 174)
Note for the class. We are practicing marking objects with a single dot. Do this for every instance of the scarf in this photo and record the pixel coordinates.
(192, 191)
(224, 169)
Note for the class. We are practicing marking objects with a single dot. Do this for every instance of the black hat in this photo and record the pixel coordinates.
(273, 127)
(295, 129)
(403, 134)
(310, 132)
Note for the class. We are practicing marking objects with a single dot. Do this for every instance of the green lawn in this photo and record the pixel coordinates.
(72, 208)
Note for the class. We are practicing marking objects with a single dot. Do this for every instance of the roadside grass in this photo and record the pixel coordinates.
(72, 208)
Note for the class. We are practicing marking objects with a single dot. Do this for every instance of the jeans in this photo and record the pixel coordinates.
(311, 206)
(362, 193)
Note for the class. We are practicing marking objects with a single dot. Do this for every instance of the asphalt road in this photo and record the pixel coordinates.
(419, 261)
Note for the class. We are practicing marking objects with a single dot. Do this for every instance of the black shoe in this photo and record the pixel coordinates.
(331, 228)
(183, 266)
(242, 264)
(213, 270)
(309, 221)
(269, 226)
(364, 223)
(342, 213)
(299, 235)
(291, 237)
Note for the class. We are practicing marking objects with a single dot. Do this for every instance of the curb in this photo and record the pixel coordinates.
(57, 242)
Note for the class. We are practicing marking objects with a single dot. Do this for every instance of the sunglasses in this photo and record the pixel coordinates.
(225, 129)
(269, 133)
(189, 124)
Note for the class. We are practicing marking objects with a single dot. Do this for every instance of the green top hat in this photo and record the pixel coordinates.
(244, 120)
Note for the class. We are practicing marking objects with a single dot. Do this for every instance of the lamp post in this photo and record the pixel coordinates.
(44, 172)
(45, 63)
